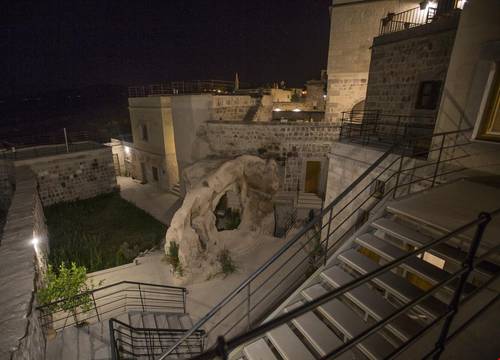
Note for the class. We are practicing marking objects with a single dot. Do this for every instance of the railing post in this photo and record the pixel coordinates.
(327, 236)
(443, 137)
(142, 300)
(221, 347)
(468, 263)
(114, 352)
(397, 176)
(95, 307)
(248, 305)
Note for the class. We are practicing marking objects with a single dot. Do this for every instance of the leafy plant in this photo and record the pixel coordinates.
(227, 264)
(173, 258)
(67, 289)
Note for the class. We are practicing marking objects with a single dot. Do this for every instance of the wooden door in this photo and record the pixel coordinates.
(313, 174)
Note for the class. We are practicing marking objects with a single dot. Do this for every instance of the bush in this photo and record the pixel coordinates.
(70, 285)
(173, 258)
(226, 262)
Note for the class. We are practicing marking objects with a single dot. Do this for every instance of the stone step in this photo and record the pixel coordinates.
(288, 344)
(372, 303)
(349, 324)
(259, 350)
(392, 283)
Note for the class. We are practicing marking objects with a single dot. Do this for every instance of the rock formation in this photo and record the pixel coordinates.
(193, 228)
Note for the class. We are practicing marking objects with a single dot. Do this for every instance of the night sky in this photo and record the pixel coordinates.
(70, 44)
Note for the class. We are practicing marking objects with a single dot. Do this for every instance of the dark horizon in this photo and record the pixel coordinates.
(70, 45)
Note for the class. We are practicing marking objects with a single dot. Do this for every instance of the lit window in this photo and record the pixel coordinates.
(490, 122)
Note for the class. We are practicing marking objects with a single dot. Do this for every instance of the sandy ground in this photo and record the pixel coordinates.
(248, 250)
(148, 197)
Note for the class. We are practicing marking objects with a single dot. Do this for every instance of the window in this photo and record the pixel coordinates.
(154, 169)
(428, 95)
(490, 123)
(144, 130)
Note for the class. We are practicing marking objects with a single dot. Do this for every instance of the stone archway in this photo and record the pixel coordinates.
(193, 227)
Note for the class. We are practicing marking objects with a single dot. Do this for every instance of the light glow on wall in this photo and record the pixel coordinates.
(277, 109)
(297, 110)
(35, 241)
(127, 150)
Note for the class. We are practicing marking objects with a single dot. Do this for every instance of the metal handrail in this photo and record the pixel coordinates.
(154, 339)
(156, 296)
(301, 234)
(223, 347)
(406, 20)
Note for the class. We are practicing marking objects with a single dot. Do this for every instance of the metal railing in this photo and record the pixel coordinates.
(150, 343)
(181, 87)
(391, 175)
(406, 20)
(113, 300)
(223, 347)
(375, 128)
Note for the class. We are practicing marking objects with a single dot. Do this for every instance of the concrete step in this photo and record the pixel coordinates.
(372, 303)
(349, 323)
(392, 283)
(288, 344)
(321, 338)
(259, 350)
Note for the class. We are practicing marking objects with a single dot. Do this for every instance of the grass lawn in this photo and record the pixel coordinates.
(101, 232)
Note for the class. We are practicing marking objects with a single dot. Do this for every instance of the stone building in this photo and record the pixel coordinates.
(354, 24)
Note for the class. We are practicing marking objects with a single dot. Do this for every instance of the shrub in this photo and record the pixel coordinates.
(173, 258)
(226, 262)
(70, 285)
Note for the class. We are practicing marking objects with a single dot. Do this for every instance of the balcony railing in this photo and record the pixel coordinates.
(406, 20)
(113, 300)
(375, 128)
(181, 87)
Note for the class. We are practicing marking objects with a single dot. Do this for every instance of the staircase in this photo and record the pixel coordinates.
(386, 238)
(126, 320)
(176, 190)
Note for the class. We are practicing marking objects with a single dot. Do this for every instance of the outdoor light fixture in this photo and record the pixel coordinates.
(424, 5)
(35, 241)
(127, 150)
(296, 110)
(277, 109)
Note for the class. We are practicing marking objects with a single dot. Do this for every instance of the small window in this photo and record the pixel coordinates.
(428, 95)
(144, 130)
(154, 169)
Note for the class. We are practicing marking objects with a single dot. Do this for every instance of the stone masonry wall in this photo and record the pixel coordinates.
(23, 262)
(400, 62)
(6, 183)
(73, 176)
(290, 144)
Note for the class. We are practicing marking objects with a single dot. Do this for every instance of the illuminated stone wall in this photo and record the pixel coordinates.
(292, 144)
(21, 269)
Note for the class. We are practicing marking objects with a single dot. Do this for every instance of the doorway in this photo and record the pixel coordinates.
(313, 175)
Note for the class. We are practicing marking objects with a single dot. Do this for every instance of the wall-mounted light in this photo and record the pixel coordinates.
(296, 110)
(127, 150)
(35, 241)
(277, 109)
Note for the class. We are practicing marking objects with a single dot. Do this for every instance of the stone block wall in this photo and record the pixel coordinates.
(21, 269)
(73, 176)
(6, 183)
(401, 61)
(291, 144)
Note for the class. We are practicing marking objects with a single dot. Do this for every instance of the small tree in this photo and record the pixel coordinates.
(67, 290)
(172, 258)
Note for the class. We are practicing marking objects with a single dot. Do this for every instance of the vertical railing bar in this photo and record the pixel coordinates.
(469, 264)
(248, 305)
(327, 236)
(443, 137)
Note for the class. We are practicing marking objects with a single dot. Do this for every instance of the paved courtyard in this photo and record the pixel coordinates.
(159, 204)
